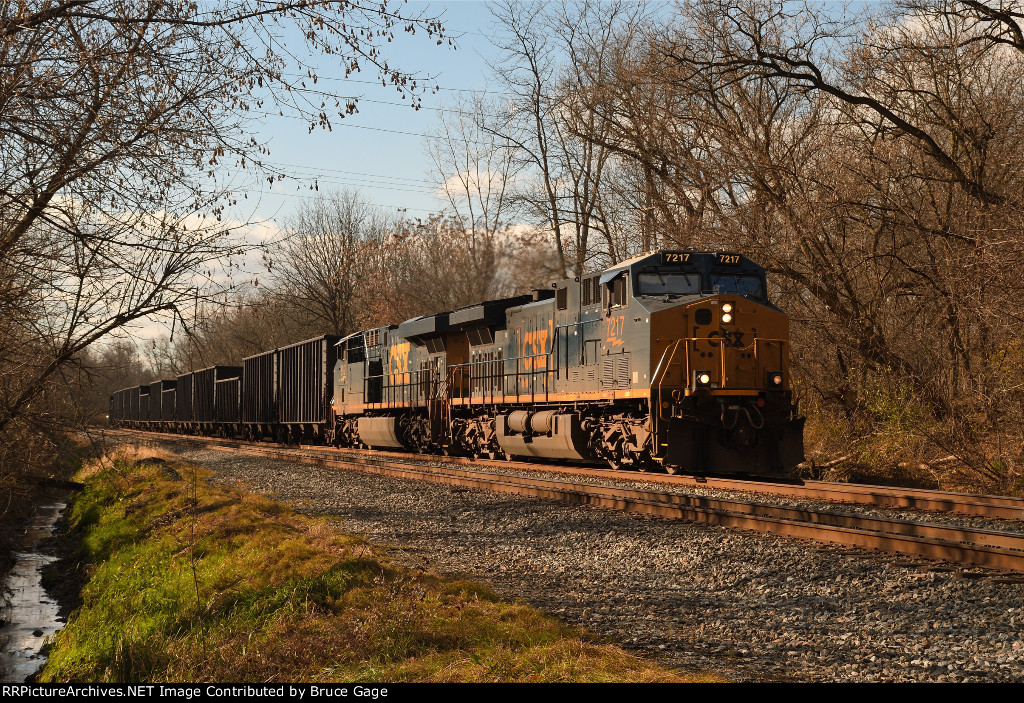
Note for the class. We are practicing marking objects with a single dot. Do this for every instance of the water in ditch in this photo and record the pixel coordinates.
(28, 614)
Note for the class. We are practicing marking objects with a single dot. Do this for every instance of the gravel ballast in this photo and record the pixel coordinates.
(743, 605)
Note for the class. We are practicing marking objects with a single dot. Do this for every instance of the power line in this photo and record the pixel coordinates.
(343, 123)
(381, 84)
(312, 170)
(360, 173)
(363, 99)
(311, 196)
(378, 186)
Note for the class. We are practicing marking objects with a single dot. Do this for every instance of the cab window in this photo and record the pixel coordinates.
(746, 285)
(654, 282)
(355, 352)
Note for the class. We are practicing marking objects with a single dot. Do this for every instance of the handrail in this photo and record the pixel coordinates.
(457, 377)
(390, 391)
(717, 341)
(659, 373)
(493, 383)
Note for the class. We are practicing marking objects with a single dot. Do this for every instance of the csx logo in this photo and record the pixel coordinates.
(533, 349)
(398, 363)
(730, 338)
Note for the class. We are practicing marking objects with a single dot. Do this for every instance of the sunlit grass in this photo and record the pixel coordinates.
(195, 582)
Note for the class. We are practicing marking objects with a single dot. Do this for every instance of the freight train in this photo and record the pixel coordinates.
(672, 360)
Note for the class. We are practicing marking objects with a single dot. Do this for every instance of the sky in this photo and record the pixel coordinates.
(380, 151)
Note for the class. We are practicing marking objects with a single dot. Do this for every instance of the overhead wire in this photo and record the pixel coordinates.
(313, 196)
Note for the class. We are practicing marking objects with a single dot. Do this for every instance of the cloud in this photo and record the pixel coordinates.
(473, 184)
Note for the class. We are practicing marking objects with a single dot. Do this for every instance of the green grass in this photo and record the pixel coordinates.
(195, 582)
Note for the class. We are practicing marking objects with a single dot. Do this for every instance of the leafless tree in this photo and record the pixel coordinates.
(876, 168)
(872, 164)
(436, 258)
(541, 67)
(474, 159)
(320, 269)
(126, 129)
(998, 22)
(226, 331)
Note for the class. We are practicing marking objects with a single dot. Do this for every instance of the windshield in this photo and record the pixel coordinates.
(748, 286)
(657, 283)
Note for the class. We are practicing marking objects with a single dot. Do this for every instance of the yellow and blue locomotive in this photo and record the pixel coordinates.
(672, 360)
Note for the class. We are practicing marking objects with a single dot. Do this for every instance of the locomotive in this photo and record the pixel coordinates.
(672, 360)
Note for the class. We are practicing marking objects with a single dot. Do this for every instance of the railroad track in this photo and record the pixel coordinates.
(972, 504)
(963, 545)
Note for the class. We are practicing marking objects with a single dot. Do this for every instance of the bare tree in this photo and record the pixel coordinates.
(663, 130)
(226, 331)
(998, 22)
(541, 67)
(320, 268)
(774, 129)
(882, 183)
(125, 131)
(475, 162)
(752, 40)
(439, 271)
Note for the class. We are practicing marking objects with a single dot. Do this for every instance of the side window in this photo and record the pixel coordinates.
(615, 291)
(356, 350)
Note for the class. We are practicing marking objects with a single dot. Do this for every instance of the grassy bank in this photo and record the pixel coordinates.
(190, 581)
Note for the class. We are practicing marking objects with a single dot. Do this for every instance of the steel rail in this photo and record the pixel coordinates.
(988, 548)
(973, 504)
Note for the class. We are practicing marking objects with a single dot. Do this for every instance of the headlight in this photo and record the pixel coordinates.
(775, 379)
(726, 318)
(701, 379)
(727, 307)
